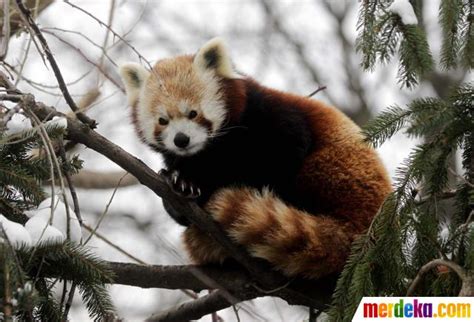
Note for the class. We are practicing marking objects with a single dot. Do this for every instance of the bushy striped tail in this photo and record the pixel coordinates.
(293, 241)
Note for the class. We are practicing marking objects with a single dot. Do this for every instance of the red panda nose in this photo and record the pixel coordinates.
(181, 140)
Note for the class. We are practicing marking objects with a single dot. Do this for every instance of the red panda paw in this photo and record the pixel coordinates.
(201, 248)
(180, 185)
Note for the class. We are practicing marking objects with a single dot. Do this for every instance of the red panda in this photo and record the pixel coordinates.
(286, 176)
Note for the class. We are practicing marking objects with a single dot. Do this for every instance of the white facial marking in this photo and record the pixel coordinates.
(146, 120)
(183, 107)
(212, 103)
(197, 135)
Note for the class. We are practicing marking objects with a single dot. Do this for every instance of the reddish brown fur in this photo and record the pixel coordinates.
(234, 95)
(343, 175)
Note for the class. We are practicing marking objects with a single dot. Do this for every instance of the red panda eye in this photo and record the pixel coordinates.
(163, 121)
(192, 114)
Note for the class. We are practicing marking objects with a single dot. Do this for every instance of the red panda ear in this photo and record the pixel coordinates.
(134, 77)
(214, 55)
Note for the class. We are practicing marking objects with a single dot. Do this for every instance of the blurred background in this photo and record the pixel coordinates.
(294, 46)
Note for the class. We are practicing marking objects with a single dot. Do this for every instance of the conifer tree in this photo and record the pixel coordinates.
(25, 289)
(412, 247)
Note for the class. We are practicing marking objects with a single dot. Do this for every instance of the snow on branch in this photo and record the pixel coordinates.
(404, 9)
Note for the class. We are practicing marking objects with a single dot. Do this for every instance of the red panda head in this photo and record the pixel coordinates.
(180, 105)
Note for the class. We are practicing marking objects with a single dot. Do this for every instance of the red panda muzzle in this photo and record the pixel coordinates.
(181, 140)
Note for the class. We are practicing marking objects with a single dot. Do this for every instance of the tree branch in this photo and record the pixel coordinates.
(467, 279)
(15, 20)
(5, 30)
(228, 279)
(193, 310)
(25, 12)
(87, 179)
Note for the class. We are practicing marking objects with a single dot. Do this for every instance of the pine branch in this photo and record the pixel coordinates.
(449, 14)
(468, 36)
(98, 302)
(385, 125)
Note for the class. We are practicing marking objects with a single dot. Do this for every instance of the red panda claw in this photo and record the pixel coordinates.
(163, 173)
(174, 177)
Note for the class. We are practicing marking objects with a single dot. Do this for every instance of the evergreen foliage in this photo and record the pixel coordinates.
(456, 17)
(426, 217)
(382, 34)
(22, 171)
(26, 274)
(406, 234)
(29, 269)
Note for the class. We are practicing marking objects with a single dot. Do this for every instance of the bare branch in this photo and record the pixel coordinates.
(106, 210)
(114, 246)
(317, 90)
(84, 56)
(461, 272)
(5, 29)
(75, 200)
(140, 56)
(363, 113)
(194, 310)
(70, 298)
(62, 84)
(87, 179)
(16, 20)
(297, 45)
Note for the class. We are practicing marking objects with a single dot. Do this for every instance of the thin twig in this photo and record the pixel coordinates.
(69, 301)
(75, 200)
(57, 72)
(32, 82)
(298, 46)
(49, 31)
(26, 52)
(319, 89)
(443, 195)
(88, 179)
(195, 309)
(106, 210)
(461, 272)
(5, 29)
(111, 244)
(454, 173)
(11, 97)
(66, 42)
(236, 312)
(7, 301)
(106, 38)
(64, 293)
(140, 56)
